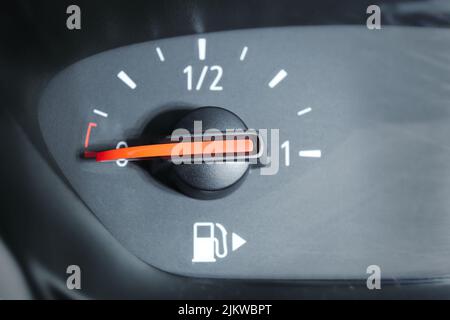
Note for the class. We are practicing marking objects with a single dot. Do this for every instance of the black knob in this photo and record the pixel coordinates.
(210, 180)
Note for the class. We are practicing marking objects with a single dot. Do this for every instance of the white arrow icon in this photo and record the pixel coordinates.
(237, 241)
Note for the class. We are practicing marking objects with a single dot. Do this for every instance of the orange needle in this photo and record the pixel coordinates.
(168, 150)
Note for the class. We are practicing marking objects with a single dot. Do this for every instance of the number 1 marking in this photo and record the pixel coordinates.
(287, 154)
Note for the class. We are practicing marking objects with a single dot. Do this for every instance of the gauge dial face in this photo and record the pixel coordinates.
(336, 114)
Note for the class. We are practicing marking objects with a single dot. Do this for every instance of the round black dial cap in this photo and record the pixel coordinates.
(210, 180)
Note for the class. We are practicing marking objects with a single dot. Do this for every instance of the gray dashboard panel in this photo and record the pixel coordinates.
(380, 115)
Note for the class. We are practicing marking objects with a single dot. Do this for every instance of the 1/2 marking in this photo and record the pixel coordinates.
(205, 70)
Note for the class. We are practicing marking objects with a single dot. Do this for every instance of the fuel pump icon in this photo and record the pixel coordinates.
(206, 245)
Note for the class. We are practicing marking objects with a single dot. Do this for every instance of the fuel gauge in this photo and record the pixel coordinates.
(252, 153)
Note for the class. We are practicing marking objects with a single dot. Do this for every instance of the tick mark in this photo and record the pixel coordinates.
(243, 54)
(278, 78)
(304, 111)
(160, 54)
(202, 48)
(100, 113)
(310, 153)
(126, 79)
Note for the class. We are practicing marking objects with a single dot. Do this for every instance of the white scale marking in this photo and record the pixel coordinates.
(100, 113)
(160, 54)
(310, 153)
(243, 54)
(304, 111)
(202, 78)
(126, 79)
(202, 48)
(278, 78)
